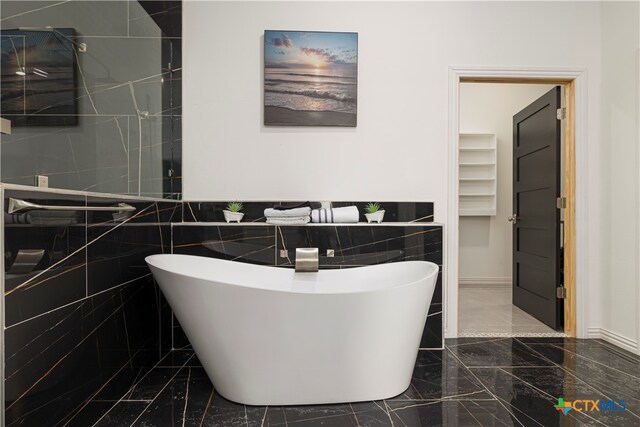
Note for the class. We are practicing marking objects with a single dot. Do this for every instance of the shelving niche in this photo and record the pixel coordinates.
(477, 174)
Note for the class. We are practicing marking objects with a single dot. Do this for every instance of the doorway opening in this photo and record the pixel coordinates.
(570, 315)
(509, 130)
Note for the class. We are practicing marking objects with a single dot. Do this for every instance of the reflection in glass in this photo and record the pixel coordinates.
(93, 92)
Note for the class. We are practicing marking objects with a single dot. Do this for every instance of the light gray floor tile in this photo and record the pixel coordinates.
(486, 310)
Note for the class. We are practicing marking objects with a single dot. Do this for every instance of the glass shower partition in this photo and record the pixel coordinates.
(93, 91)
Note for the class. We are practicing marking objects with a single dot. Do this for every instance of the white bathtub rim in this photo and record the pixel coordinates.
(211, 278)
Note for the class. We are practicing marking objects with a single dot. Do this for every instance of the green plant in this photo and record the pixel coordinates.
(372, 207)
(234, 206)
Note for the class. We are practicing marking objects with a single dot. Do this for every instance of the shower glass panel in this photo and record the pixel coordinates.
(93, 91)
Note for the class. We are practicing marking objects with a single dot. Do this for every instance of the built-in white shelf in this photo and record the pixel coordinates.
(475, 149)
(477, 160)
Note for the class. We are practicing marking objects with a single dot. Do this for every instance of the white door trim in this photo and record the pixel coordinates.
(451, 236)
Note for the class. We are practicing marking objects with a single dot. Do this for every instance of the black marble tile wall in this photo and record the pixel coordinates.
(396, 211)
(246, 243)
(355, 245)
(254, 211)
(84, 318)
(360, 245)
(132, 53)
(83, 314)
(44, 256)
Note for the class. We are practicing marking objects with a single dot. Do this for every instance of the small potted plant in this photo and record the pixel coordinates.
(373, 212)
(232, 213)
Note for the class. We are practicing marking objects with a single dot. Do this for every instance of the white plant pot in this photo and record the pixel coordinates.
(232, 216)
(375, 217)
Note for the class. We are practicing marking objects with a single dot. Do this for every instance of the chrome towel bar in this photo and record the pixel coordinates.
(17, 205)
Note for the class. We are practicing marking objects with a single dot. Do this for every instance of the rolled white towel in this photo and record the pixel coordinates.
(295, 212)
(348, 214)
(292, 220)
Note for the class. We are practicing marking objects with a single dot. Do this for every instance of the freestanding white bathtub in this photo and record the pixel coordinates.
(271, 336)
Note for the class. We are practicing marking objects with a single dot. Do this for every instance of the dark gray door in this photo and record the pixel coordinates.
(536, 229)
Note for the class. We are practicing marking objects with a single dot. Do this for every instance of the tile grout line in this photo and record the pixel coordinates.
(470, 413)
(84, 404)
(30, 280)
(573, 374)
(544, 393)
(500, 400)
(493, 415)
(355, 417)
(173, 345)
(77, 301)
(35, 10)
(86, 249)
(594, 361)
(103, 386)
(68, 353)
(186, 399)
(572, 352)
(122, 399)
(160, 392)
(483, 385)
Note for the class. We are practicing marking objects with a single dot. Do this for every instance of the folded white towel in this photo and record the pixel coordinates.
(274, 213)
(348, 214)
(292, 220)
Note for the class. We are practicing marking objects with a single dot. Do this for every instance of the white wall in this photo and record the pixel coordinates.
(399, 150)
(620, 281)
(486, 241)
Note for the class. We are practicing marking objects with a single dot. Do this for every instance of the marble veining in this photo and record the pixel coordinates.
(445, 390)
(87, 320)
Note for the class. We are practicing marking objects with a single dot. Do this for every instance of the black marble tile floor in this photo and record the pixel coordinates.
(472, 382)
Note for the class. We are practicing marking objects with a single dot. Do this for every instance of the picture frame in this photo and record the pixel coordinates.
(310, 78)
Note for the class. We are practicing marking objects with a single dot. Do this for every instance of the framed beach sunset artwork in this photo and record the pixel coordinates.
(310, 78)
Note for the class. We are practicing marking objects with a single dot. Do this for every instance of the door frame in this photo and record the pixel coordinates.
(575, 179)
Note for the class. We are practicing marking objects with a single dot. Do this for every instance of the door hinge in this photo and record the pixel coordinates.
(561, 202)
(170, 172)
(561, 292)
(561, 113)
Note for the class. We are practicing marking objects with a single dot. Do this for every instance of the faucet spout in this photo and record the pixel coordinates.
(307, 259)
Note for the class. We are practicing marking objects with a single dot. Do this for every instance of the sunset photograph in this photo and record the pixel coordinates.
(310, 78)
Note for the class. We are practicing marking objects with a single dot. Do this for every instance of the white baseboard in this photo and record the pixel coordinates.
(485, 282)
(614, 338)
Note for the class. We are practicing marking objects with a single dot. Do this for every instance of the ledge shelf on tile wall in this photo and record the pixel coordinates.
(395, 212)
(314, 224)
